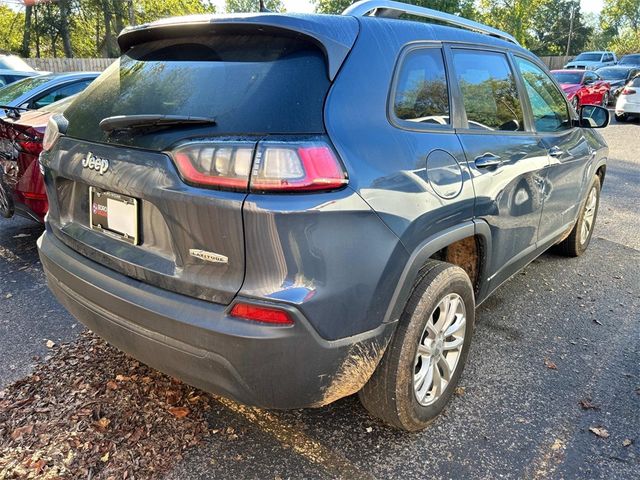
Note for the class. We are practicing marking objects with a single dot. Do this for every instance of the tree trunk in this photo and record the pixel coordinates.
(35, 22)
(108, 35)
(26, 36)
(132, 13)
(64, 28)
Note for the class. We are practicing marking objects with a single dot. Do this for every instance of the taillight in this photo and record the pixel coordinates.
(28, 140)
(225, 165)
(628, 91)
(259, 313)
(273, 167)
(287, 167)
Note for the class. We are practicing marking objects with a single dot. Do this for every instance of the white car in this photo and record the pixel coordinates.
(628, 103)
(592, 61)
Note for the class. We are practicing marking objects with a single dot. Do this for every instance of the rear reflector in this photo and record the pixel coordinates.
(262, 314)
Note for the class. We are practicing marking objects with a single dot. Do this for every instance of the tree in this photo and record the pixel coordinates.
(11, 23)
(550, 26)
(461, 7)
(512, 16)
(242, 6)
(621, 14)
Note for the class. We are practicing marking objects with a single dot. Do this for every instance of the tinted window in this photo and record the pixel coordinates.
(59, 93)
(589, 57)
(568, 77)
(488, 90)
(19, 88)
(613, 73)
(254, 83)
(630, 60)
(550, 112)
(421, 90)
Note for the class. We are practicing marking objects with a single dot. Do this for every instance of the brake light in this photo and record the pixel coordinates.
(628, 91)
(28, 140)
(287, 167)
(225, 165)
(277, 166)
(257, 313)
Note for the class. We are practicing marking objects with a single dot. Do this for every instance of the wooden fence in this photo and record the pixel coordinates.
(99, 64)
(556, 63)
(70, 64)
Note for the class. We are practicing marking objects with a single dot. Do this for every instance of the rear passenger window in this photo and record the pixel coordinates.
(489, 90)
(421, 95)
(550, 112)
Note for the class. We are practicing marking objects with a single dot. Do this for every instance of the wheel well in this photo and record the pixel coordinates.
(601, 173)
(467, 254)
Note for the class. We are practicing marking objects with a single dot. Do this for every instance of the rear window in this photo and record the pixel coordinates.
(15, 90)
(250, 84)
(568, 77)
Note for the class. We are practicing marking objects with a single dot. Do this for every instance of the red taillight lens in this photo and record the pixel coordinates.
(628, 91)
(286, 167)
(223, 165)
(262, 314)
(277, 166)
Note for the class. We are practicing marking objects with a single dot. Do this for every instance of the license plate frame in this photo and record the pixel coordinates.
(123, 223)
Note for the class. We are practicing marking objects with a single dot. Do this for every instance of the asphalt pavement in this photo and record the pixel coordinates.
(517, 416)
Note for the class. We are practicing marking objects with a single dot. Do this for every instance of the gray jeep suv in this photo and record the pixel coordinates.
(289, 209)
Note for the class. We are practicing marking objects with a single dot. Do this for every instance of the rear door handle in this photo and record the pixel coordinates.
(556, 151)
(488, 160)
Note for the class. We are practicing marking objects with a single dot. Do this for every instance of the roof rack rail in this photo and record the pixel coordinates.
(390, 9)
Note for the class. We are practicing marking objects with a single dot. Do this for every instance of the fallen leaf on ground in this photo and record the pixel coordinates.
(105, 457)
(599, 431)
(587, 405)
(103, 423)
(459, 391)
(369, 429)
(50, 344)
(20, 431)
(8, 295)
(111, 385)
(179, 412)
(626, 442)
(557, 445)
(550, 365)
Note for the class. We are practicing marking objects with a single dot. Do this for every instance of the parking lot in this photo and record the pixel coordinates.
(556, 352)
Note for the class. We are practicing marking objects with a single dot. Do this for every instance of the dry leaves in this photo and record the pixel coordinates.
(587, 405)
(50, 344)
(627, 442)
(93, 412)
(599, 431)
(459, 391)
(550, 365)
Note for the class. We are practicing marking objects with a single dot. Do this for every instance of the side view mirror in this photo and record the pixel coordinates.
(593, 116)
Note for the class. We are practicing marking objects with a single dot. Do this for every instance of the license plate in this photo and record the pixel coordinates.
(114, 214)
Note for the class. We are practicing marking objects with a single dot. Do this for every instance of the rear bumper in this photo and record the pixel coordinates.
(623, 106)
(196, 341)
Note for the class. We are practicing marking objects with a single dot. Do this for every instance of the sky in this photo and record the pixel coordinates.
(305, 6)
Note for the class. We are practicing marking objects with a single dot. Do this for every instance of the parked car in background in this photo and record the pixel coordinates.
(22, 189)
(618, 76)
(628, 104)
(592, 61)
(15, 63)
(583, 87)
(10, 76)
(223, 206)
(631, 60)
(37, 92)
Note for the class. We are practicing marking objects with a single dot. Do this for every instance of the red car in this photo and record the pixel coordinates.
(22, 189)
(583, 87)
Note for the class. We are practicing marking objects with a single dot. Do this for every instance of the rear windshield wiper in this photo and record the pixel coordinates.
(128, 122)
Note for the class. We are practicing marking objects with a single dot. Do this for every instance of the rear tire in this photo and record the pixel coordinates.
(410, 388)
(605, 100)
(580, 237)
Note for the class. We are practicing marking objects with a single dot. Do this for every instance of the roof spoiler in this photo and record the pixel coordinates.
(333, 35)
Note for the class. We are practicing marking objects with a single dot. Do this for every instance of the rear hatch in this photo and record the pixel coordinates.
(117, 195)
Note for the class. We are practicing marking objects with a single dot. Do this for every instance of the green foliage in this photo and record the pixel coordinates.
(622, 14)
(11, 24)
(627, 42)
(242, 6)
(550, 26)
